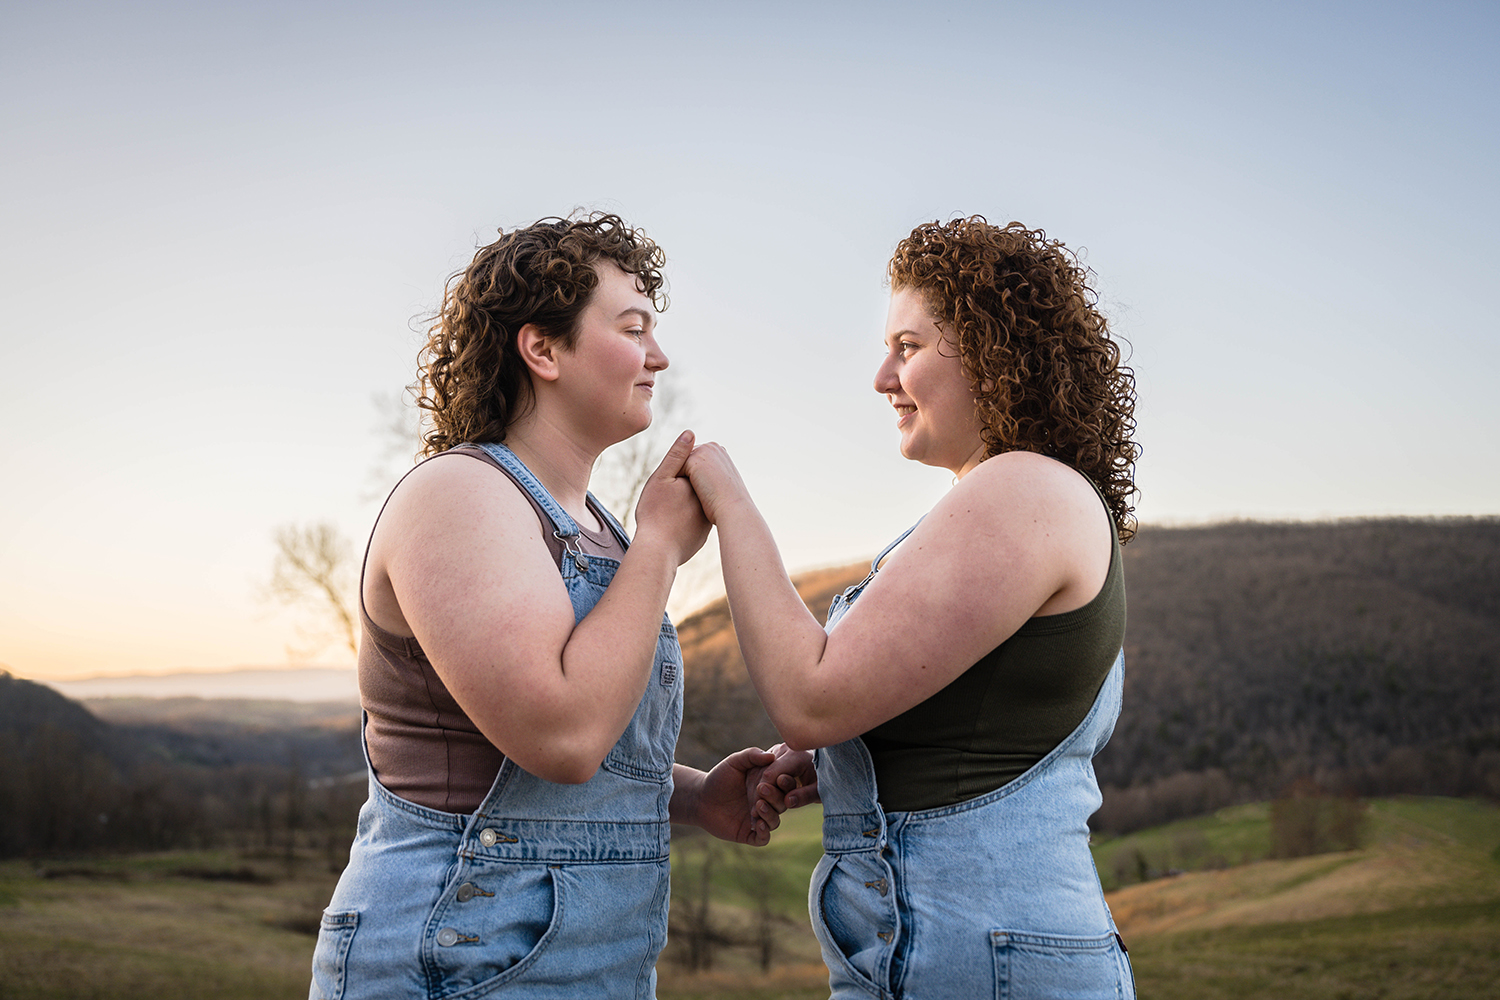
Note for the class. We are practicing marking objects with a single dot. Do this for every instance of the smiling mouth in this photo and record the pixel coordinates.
(902, 412)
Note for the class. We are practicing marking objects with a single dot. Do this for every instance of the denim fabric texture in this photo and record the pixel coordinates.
(993, 897)
(547, 891)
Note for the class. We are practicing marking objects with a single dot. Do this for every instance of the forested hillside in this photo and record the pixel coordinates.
(193, 775)
(1362, 654)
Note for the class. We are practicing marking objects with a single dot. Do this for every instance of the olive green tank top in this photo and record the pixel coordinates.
(1006, 712)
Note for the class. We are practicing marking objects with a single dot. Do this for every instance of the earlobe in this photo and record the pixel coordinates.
(538, 351)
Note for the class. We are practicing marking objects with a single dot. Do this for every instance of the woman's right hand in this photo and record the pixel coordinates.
(669, 507)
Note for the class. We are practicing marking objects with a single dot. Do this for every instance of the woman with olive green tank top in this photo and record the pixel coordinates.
(959, 694)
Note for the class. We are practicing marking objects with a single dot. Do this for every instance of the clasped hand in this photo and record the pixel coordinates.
(669, 507)
(688, 492)
(743, 797)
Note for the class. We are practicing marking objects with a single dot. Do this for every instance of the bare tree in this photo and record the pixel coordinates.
(314, 570)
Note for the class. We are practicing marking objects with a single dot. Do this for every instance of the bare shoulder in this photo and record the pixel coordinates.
(1048, 509)
(445, 529)
(454, 494)
(1022, 485)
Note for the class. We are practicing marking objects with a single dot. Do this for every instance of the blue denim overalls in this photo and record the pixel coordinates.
(994, 897)
(547, 890)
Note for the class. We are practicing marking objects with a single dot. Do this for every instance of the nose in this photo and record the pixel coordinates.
(656, 358)
(886, 379)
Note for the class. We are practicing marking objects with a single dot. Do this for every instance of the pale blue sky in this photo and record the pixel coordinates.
(220, 221)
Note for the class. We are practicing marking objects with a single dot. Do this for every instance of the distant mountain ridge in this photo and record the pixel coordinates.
(280, 683)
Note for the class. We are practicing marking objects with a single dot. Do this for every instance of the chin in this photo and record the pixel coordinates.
(636, 426)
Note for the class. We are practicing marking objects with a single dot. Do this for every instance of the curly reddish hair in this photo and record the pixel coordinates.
(1046, 376)
(471, 378)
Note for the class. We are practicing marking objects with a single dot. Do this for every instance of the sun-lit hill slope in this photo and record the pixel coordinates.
(1420, 852)
(1413, 915)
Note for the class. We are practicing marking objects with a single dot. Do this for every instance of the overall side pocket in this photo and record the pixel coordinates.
(331, 956)
(854, 917)
(646, 749)
(490, 925)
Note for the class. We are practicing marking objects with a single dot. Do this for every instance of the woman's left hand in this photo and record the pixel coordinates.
(715, 479)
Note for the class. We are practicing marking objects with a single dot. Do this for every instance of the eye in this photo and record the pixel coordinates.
(636, 332)
(905, 347)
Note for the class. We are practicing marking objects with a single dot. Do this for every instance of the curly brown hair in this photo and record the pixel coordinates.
(471, 378)
(1046, 375)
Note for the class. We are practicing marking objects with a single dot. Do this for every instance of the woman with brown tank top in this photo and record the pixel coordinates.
(522, 685)
(958, 693)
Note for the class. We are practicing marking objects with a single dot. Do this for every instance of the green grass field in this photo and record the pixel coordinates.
(1415, 912)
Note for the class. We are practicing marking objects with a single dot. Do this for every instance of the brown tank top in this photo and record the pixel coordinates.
(422, 744)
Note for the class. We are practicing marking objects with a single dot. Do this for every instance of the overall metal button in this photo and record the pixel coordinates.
(487, 837)
(447, 937)
(466, 892)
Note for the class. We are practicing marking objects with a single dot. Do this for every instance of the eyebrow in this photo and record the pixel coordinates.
(645, 316)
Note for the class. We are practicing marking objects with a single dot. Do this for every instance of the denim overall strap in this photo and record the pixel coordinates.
(564, 528)
(547, 891)
(561, 520)
(850, 593)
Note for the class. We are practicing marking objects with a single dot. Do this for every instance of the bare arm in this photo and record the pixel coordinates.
(1020, 535)
(463, 558)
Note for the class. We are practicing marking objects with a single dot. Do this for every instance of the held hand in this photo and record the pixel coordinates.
(715, 478)
(788, 782)
(669, 507)
(727, 802)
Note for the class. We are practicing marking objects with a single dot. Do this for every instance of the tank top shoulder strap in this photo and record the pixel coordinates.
(553, 541)
(608, 519)
(550, 537)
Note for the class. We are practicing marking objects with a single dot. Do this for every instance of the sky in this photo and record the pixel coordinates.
(223, 224)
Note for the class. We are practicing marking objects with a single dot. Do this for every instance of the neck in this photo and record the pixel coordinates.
(970, 464)
(556, 457)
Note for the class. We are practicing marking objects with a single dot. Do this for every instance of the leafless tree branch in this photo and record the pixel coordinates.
(314, 569)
